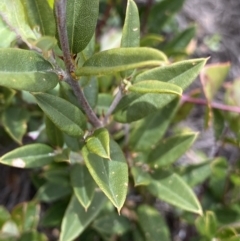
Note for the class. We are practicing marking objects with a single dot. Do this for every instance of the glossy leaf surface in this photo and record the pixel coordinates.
(99, 142)
(29, 156)
(155, 87)
(66, 116)
(83, 184)
(121, 59)
(26, 70)
(169, 150)
(152, 224)
(14, 122)
(111, 175)
(81, 22)
(76, 219)
(172, 189)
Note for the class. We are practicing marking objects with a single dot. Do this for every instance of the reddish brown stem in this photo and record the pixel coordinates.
(214, 105)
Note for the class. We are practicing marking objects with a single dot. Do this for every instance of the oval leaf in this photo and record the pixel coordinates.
(181, 73)
(99, 142)
(152, 224)
(111, 175)
(134, 106)
(147, 132)
(83, 184)
(76, 219)
(81, 22)
(141, 178)
(66, 116)
(14, 122)
(40, 14)
(156, 87)
(29, 156)
(170, 150)
(172, 189)
(131, 28)
(26, 70)
(121, 59)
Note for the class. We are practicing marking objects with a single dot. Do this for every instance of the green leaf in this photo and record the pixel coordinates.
(182, 73)
(161, 13)
(26, 70)
(29, 156)
(40, 15)
(151, 40)
(152, 224)
(76, 219)
(7, 36)
(103, 104)
(52, 191)
(12, 12)
(171, 149)
(141, 177)
(14, 120)
(34, 235)
(82, 18)
(151, 129)
(99, 142)
(26, 216)
(131, 28)
(121, 59)
(212, 78)
(54, 215)
(133, 106)
(155, 87)
(54, 135)
(172, 189)
(91, 91)
(111, 175)
(83, 184)
(207, 225)
(111, 224)
(181, 41)
(196, 174)
(4, 216)
(67, 117)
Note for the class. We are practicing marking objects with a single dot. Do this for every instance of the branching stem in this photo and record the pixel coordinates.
(114, 104)
(60, 10)
(214, 105)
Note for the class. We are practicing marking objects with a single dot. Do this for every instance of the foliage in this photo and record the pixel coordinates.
(105, 125)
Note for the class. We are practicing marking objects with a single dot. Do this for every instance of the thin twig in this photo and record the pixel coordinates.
(60, 9)
(114, 104)
(213, 105)
(18, 33)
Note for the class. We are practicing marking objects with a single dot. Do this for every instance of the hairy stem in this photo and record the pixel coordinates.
(60, 10)
(214, 105)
